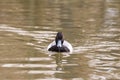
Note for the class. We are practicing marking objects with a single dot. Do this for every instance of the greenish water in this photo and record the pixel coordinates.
(91, 26)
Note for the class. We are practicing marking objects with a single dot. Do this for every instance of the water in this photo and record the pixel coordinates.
(91, 26)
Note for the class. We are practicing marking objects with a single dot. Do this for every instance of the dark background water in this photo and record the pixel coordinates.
(91, 26)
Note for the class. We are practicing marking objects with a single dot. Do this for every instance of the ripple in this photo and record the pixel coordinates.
(50, 72)
(105, 46)
(106, 35)
(97, 77)
(26, 59)
(49, 78)
(115, 54)
(112, 12)
(18, 65)
(111, 30)
(37, 35)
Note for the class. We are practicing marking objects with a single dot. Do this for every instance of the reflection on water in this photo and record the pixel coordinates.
(91, 26)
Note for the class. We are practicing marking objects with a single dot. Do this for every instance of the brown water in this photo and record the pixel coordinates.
(91, 26)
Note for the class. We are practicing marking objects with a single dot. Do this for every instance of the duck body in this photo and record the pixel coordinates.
(66, 47)
(60, 45)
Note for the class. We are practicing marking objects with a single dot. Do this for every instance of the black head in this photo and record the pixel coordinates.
(59, 39)
(59, 36)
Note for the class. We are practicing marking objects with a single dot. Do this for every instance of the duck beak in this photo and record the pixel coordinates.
(59, 43)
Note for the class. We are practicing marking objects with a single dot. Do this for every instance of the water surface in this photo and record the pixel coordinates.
(91, 26)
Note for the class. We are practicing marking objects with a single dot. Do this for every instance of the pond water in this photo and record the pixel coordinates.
(91, 26)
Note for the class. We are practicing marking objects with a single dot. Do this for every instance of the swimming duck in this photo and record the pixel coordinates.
(59, 44)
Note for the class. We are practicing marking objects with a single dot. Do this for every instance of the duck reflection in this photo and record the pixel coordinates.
(58, 59)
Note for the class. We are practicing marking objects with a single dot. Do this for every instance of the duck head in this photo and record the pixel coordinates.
(59, 39)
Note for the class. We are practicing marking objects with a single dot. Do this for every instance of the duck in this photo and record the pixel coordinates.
(59, 44)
